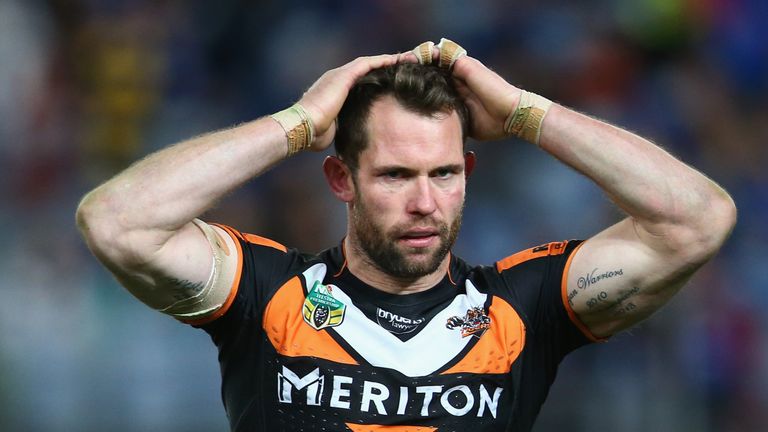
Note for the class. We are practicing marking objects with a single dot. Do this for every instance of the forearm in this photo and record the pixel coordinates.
(166, 190)
(658, 191)
(143, 213)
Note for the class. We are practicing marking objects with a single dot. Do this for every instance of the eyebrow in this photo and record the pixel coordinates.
(404, 169)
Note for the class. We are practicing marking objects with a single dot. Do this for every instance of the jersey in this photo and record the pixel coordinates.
(304, 345)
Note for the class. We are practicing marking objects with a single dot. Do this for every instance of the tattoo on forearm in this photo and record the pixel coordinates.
(595, 277)
(181, 289)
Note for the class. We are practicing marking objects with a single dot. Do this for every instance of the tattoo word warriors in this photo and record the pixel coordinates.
(593, 278)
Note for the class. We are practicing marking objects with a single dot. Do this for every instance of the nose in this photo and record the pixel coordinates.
(422, 199)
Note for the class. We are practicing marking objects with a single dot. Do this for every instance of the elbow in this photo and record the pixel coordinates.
(103, 222)
(697, 234)
(713, 226)
(91, 217)
(97, 223)
(722, 220)
(84, 215)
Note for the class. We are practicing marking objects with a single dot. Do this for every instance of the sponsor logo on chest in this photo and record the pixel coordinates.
(353, 393)
(397, 324)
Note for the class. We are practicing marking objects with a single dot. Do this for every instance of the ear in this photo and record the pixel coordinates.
(469, 163)
(339, 178)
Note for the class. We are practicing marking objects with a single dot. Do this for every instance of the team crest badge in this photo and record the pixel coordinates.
(321, 309)
(474, 323)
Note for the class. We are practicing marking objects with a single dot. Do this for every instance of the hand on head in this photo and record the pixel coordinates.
(489, 97)
(324, 99)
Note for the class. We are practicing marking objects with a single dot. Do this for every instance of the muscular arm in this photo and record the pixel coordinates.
(140, 223)
(677, 217)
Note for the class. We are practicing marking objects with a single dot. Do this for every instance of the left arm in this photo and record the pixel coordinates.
(677, 217)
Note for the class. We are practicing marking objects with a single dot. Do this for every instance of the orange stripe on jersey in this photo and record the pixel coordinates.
(376, 428)
(564, 294)
(290, 335)
(263, 241)
(498, 347)
(232, 291)
(554, 248)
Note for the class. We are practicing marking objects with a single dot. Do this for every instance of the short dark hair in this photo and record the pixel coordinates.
(423, 89)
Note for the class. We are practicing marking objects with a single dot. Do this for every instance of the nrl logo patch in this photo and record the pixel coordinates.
(321, 309)
(474, 323)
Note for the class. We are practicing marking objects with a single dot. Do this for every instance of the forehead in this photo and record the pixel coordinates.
(403, 137)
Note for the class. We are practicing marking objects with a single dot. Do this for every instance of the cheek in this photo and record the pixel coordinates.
(380, 207)
(453, 200)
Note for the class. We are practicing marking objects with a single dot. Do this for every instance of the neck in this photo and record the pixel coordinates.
(360, 265)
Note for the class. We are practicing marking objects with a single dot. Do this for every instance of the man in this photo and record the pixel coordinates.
(389, 330)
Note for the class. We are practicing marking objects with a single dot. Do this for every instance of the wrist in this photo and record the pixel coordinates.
(526, 119)
(298, 127)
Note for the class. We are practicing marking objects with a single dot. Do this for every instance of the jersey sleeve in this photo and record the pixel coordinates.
(262, 265)
(536, 280)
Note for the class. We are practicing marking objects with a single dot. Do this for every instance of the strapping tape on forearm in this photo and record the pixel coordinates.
(214, 293)
(298, 128)
(526, 120)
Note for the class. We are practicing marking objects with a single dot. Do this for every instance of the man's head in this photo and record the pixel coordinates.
(401, 168)
(423, 89)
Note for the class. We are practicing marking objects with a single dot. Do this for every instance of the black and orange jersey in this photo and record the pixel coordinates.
(305, 345)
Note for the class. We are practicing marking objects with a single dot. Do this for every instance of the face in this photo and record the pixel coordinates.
(409, 191)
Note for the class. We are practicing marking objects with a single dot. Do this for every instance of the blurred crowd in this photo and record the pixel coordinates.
(89, 86)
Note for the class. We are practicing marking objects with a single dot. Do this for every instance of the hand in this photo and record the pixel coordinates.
(326, 96)
(488, 96)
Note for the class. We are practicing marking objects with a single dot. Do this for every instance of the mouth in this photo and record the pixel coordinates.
(420, 237)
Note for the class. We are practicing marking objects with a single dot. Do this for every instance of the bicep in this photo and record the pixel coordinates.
(617, 279)
(190, 274)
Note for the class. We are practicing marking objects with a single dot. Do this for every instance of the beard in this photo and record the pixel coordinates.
(381, 249)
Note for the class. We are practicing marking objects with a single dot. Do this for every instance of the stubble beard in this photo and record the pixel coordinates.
(381, 247)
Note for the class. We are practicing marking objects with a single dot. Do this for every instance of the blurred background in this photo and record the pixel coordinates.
(88, 86)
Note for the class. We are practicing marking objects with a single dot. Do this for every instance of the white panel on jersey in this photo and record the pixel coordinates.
(426, 352)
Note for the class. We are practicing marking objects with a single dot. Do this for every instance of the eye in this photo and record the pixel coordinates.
(444, 173)
(394, 174)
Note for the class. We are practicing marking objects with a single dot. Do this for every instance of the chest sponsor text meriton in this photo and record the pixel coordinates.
(368, 396)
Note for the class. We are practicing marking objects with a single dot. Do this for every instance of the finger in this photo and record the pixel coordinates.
(450, 51)
(424, 52)
(362, 65)
(407, 57)
(484, 82)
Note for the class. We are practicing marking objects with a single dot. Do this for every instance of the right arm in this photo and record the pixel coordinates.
(140, 224)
